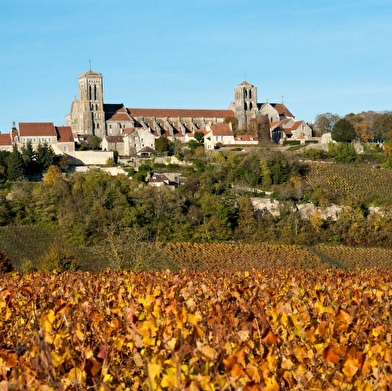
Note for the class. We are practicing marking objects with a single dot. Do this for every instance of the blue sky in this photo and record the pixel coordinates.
(320, 56)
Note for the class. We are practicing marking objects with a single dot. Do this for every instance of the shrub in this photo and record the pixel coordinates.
(27, 266)
(5, 263)
(59, 258)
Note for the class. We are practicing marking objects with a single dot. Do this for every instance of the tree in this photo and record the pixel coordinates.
(94, 143)
(325, 122)
(52, 176)
(342, 152)
(363, 132)
(382, 126)
(234, 123)
(199, 136)
(263, 130)
(45, 156)
(343, 131)
(29, 157)
(163, 144)
(15, 166)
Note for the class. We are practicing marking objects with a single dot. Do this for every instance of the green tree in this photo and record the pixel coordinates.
(342, 153)
(45, 156)
(343, 131)
(199, 136)
(15, 167)
(163, 144)
(263, 130)
(29, 157)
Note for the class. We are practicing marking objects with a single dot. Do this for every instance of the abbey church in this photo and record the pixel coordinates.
(89, 115)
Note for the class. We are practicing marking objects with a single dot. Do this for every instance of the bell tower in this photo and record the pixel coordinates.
(245, 103)
(91, 110)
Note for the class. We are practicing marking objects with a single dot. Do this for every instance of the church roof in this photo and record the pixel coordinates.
(27, 129)
(282, 109)
(90, 73)
(245, 83)
(191, 113)
(120, 115)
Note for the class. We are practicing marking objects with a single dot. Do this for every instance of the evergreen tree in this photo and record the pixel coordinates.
(343, 131)
(45, 156)
(15, 169)
(29, 158)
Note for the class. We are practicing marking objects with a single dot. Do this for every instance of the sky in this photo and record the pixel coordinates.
(315, 56)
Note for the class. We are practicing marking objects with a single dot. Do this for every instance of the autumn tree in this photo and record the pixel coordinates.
(233, 121)
(343, 131)
(382, 126)
(325, 122)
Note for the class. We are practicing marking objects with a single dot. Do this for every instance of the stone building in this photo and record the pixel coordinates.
(245, 106)
(89, 115)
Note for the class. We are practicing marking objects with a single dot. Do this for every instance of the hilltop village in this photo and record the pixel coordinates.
(134, 131)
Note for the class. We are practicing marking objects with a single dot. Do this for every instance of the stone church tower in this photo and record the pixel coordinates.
(245, 103)
(87, 114)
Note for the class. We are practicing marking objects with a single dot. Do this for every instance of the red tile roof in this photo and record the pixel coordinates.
(65, 134)
(187, 113)
(222, 130)
(28, 129)
(246, 137)
(282, 109)
(5, 139)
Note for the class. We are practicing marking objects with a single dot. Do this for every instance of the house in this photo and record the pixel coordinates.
(146, 151)
(135, 139)
(246, 139)
(158, 180)
(218, 134)
(290, 129)
(5, 142)
(113, 143)
(60, 138)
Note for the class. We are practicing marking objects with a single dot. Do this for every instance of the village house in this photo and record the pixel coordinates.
(290, 129)
(60, 138)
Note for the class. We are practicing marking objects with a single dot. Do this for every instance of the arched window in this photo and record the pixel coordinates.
(95, 92)
(245, 106)
(89, 93)
(250, 94)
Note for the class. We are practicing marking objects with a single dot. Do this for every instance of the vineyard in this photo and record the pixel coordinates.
(267, 329)
(239, 256)
(343, 182)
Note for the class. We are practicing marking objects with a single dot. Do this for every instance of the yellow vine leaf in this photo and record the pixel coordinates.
(154, 370)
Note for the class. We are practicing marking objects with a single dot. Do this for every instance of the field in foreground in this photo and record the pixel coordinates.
(266, 329)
